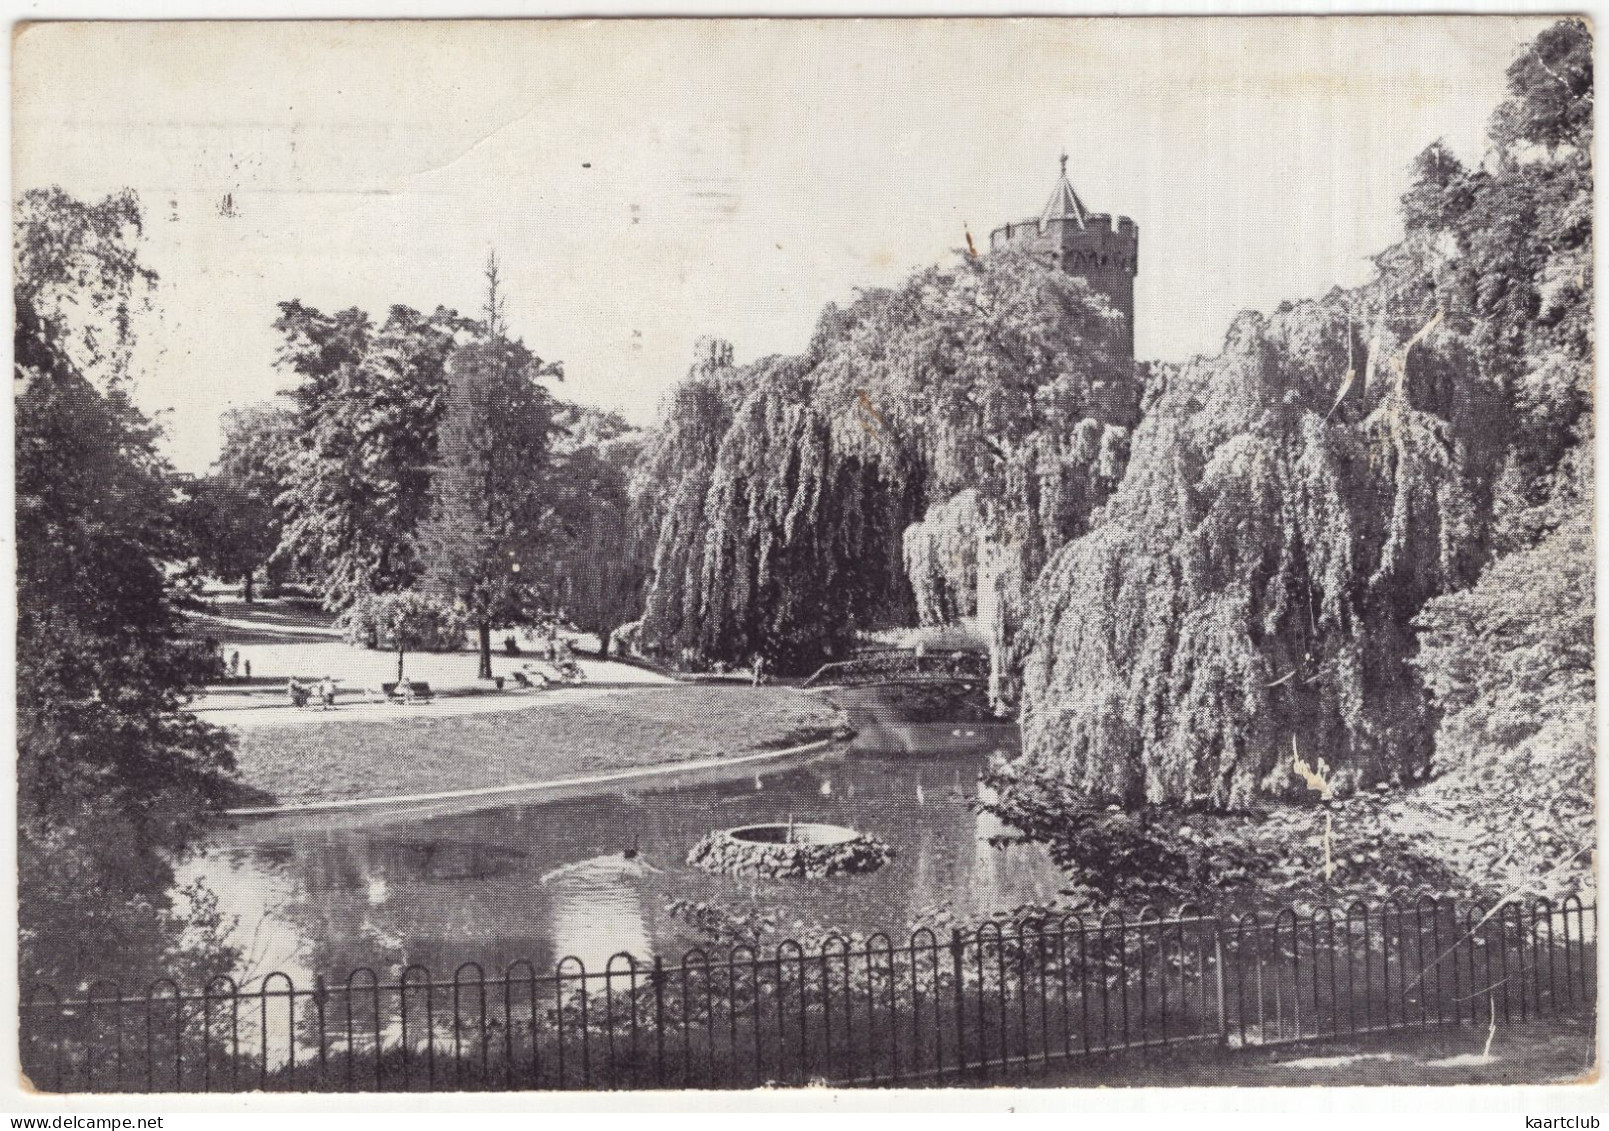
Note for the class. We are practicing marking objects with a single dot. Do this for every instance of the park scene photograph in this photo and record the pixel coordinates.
(712, 554)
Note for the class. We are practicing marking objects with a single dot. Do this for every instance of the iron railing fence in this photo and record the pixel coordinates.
(902, 666)
(975, 1005)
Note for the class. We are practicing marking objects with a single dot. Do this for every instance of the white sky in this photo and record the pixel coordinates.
(648, 182)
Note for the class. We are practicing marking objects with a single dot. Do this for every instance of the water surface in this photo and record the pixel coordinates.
(541, 880)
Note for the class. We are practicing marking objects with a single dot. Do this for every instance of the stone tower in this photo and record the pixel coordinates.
(1099, 248)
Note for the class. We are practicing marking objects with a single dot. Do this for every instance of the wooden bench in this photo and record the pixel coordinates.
(421, 693)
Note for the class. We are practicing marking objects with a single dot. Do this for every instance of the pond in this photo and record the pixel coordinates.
(543, 879)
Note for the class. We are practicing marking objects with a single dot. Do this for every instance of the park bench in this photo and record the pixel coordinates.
(388, 692)
(559, 671)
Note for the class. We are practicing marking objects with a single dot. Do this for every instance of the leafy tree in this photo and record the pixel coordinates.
(1510, 665)
(793, 531)
(77, 273)
(491, 501)
(318, 346)
(368, 412)
(258, 441)
(231, 533)
(1291, 505)
(1509, 662)
(1517, 268)
(1549, 103)
(230, 518)
(1510, 656)
(113, 775)
(597, 572)
(403, 621)
(669, 488)
(1253, 578)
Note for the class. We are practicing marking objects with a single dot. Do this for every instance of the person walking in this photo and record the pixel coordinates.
(234, 665)
(326, 693)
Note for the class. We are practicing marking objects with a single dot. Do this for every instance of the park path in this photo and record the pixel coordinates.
(262, 703)
(274, 713)
(277, 624)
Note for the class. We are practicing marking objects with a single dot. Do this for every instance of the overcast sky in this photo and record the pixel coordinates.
(648, 183)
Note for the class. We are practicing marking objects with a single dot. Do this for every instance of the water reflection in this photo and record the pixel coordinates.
(598, 910)
(538, 881)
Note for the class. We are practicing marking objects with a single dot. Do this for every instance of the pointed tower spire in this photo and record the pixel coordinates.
(1064, 203)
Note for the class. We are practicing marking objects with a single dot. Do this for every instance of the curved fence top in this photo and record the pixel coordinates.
(1580, 921)
(1002, 995)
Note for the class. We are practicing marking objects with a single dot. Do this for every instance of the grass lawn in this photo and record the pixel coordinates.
(559, 740)
(1540, 1052)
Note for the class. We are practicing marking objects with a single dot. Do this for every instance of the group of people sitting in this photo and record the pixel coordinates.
(300, 693)
(558, 651)
(554, 646)
(693, 661)
(404, 691)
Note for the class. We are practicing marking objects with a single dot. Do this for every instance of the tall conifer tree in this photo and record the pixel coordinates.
(491, 510)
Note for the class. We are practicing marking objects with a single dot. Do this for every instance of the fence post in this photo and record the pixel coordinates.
(960, 1001)
(1218, 963)
(658, 978)
(320, 999)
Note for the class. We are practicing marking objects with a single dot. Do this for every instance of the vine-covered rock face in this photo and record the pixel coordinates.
(730, 852)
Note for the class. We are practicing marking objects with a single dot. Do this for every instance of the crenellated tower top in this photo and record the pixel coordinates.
(1097, 247)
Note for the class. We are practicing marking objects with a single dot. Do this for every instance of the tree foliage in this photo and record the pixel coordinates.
(1509, 663)
(1514, 653)
(258, 441)
(404, 621)
(1255, 572)
(491, 500)
(78, 275)
(597, 567)
(1291, 504)
(669, 488)
(368, 412)
(491, 497)
(781, 494)
(1518, 268)
(113, 774)
(231, 523)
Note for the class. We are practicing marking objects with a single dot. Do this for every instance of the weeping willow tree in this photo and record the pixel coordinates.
(921, 459)
(668, 490)
(1252, 584)
(1242, 617)
(972, 558)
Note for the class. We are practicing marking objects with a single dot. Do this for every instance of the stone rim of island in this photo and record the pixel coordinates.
(790, 850)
